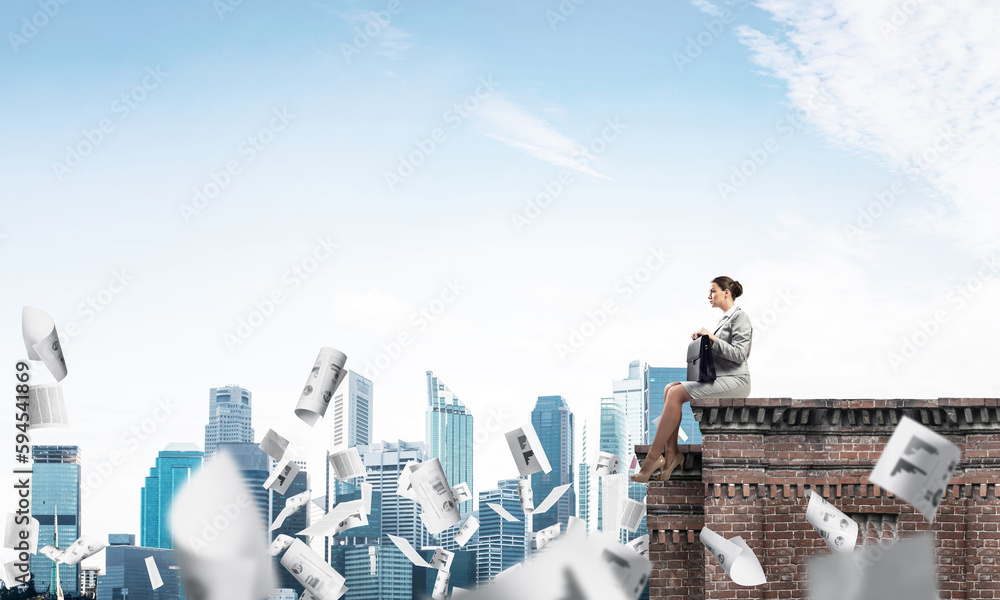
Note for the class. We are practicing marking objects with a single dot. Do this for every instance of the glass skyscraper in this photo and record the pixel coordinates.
(502, 543)
(449, 435)
(553, 422)
(375, 572)
(229, 417)
(400, 516)
(654, 380)
(55, 486)
(613, 439)
(584, 482)
(125, 575)
(629, 393)
(174, 467)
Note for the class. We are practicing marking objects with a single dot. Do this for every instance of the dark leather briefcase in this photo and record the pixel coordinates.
(700, 361)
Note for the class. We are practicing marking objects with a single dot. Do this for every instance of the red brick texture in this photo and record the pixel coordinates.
(758, 457)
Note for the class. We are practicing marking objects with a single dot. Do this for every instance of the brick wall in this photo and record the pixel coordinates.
(758, 457)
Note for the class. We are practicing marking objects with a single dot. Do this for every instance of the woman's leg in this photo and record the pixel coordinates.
(666, 434)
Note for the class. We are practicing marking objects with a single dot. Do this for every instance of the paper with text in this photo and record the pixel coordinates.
(916, 465)
(734, 556)
(41, 340)
(324, 379)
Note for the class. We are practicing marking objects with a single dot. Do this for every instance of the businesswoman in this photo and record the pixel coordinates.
(730, 349)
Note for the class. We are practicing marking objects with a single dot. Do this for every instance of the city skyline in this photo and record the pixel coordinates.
(243, 392)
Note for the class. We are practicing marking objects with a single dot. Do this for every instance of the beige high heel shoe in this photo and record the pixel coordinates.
(657, 464)
(678, 461)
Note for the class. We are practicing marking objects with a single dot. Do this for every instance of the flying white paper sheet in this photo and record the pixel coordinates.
(322, 580)
(571, 569)
(632, 570)
(738, 560)
(546, 535)
(632, 513)
(525, 495)
(12, 572)
(405, 488)
(408, 551)
(219, 535)
(576, 527)
(442, 559)
(41, 341)
(440, 591)
(46, 407)
(903, 570)
(84, 547)
(680, 430)
(502, 511)
(838, 530)
(344, 516)
(466, 531)
(613, 497)
(553, 497)
(640, 544)
(430, 486)
(280, 544)
(461, 492)
(347, 464)
(154, 574)
(366, 496)
(12, 535)
(274, 445)
(327, 373)
(291, 506)
(282, 476)
(916, 465)
(606, 463)
(527, 450)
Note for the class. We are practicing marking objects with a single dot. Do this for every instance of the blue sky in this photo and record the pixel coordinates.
(832, 305)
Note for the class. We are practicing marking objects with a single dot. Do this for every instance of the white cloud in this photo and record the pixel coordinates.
(707, 7)
(915, 86)
(506, 122)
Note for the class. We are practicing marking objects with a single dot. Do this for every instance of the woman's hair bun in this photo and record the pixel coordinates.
(728, 283)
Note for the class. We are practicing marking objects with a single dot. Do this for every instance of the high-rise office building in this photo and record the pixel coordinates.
(375, 572)
(553, 422)
(174, 467)
(255, 465)
(229, 417)
(654, 380)
(352, 413)
(613, 438)
(449, 435)
(384, 462)
(629, 393)
(584, 479)
(502, 543)
(88, 581)
(126, 576)
(55, 489)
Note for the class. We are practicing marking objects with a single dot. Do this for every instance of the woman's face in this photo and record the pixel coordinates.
(716, 295)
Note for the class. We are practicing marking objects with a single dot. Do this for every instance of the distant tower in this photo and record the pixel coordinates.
(449, 435)
(174, 466)
(55, 481)
(229, 417)
(553, 422)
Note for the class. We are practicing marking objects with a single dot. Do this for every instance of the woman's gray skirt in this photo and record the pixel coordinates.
(728, 386)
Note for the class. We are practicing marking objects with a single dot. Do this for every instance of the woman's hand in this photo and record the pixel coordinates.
(701, 332)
